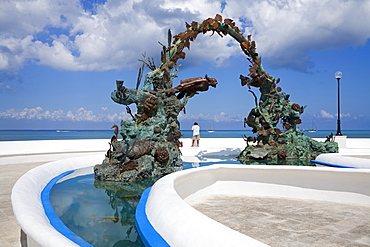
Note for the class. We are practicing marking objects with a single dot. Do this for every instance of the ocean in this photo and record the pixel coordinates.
(27, 135)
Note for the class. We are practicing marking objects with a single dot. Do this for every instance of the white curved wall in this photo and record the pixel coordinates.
(357, 160)
(169, 212)
(27, 205)
(168, 209)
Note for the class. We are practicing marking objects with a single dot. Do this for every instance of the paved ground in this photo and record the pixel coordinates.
(273, 221)
(12, 167)
(359, 156)
(291, 222)
(14, 164)
(10, 232)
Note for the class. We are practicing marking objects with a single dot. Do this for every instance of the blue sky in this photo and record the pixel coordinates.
(59, 59)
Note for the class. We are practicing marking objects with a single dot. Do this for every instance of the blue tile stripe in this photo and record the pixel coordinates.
(148, 234)
(328, 164)
(55, 221)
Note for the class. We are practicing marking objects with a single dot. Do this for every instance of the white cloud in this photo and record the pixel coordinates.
(24, 17)
(78, 115)
(64, 35)
(344, 115)
(6, 87)
(325, 114)
(82, 114)
(221, 117)
(358, 117)
(286, 30)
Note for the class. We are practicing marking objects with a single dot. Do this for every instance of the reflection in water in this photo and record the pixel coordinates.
(195, 164)
(287, 162)
(103, 213)
(123, 199)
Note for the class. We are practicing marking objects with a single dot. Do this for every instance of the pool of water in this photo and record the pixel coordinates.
(103, 213)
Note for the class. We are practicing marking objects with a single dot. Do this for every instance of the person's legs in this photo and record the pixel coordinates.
(196, 138)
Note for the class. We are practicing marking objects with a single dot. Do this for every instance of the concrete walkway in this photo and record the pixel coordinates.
(10, 232)
(16, 160)
(11, 169)
(291, 222)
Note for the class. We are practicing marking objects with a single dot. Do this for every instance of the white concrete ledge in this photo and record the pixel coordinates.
(15, 152)
(27, 205)
(170, 213)
(52, 146)
(30, 214)
(359, 161)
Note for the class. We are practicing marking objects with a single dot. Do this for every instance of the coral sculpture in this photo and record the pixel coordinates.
(272, 108)
(149, 145)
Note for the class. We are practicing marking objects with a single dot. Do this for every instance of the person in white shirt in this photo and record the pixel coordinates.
(196, 134)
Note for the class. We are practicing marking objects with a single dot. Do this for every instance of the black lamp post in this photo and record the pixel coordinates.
(338, 75)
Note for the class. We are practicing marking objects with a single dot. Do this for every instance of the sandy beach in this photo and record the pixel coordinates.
(18, 157)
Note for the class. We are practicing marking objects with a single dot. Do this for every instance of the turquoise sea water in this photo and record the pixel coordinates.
(26, 135)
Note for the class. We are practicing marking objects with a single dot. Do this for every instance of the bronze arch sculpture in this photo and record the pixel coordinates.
(149, 145)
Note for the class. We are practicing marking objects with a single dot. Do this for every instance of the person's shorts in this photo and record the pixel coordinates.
(196, 138)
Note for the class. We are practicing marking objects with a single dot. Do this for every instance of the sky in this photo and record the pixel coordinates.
(59, 59)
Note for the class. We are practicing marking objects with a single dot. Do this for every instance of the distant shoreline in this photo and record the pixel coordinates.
(61, 134)
(111, 130)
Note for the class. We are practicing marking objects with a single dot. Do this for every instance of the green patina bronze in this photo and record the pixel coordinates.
(274, 108)
(149, 145)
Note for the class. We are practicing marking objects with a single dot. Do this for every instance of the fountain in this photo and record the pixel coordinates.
(149, 145)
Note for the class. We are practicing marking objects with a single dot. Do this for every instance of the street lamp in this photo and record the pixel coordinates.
(338, 75)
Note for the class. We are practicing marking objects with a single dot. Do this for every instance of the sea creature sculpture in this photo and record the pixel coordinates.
(115, 131)
(194, 85)
(273, 108)
(150, 141)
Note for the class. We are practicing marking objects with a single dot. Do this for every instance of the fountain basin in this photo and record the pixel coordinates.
(344, 160)
(28, 205)
(169, 211)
